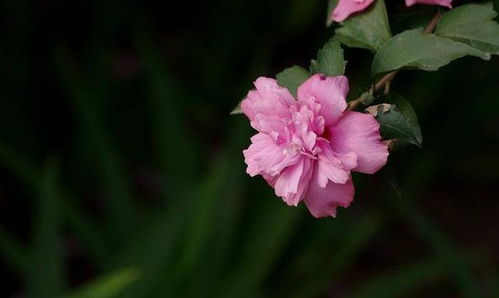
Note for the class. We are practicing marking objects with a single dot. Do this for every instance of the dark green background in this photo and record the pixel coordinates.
(118, 159)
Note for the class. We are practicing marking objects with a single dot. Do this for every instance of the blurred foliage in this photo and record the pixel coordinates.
(121, 173)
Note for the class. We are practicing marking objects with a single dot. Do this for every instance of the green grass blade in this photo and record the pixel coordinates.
(494, 287)
(441, 246)
(352, 245)
(45, 277)
(175, 146)
(263, 246)
(152, 251)
(228, 184)
(87, 230)
(422, 173)
(84, 227)
(209, 268)
(13, 254)
(18, 166)
(108, 161)
(201, 217)
(109, 286)
(398, 283)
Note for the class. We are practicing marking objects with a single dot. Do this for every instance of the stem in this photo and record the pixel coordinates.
(387, 79)
(433, 23)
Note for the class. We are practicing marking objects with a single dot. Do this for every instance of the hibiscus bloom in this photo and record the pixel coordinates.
(306, 148)
(345, 8)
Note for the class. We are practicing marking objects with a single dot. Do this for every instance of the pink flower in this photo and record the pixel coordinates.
(345, 8)
(446, 3)
(306, 148)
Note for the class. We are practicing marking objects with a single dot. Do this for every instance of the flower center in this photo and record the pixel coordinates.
(302, 130)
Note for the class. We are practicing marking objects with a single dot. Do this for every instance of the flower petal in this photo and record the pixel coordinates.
(329, 92)
(331, 171)
(270, 179)
(332, 165)
(345, 8)
(446, 3)
(270, 100)
(322, 201)
(349, 160)
(359, 133)
(293, 181)
(264, 156)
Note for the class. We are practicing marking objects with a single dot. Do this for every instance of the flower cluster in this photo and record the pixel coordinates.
(306, 148)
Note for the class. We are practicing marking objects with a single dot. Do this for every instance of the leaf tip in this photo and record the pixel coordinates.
(237, 110)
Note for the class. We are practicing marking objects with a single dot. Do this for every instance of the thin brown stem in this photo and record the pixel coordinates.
(433, 23)
(387, 79)
(380, 84)
(387, 87)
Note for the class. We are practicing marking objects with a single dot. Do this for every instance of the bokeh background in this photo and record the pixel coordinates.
(121, 172)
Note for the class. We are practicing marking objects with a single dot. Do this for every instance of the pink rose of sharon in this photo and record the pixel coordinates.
(306, 148)
(345, 8)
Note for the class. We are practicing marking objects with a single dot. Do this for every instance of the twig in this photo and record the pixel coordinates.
(380, 84)
(433, 23)
(387, 79)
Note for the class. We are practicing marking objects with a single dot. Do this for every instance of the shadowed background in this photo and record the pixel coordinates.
(121, 172)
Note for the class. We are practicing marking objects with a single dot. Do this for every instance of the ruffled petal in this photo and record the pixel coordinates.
(329, 92)
(345, 8)
(446, 3)
(293, 181)
(333, 166)
(359, 133)
(264, 156)
(322, 201)
(349, 160)
(270, 101)
(328, 171)
(270, 179)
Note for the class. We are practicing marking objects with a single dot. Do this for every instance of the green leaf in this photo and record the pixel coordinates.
(108, 286)
(398, 120)
(330, 60)
(414, 49)
(473, 25)
(368, 30)
(292, 77)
